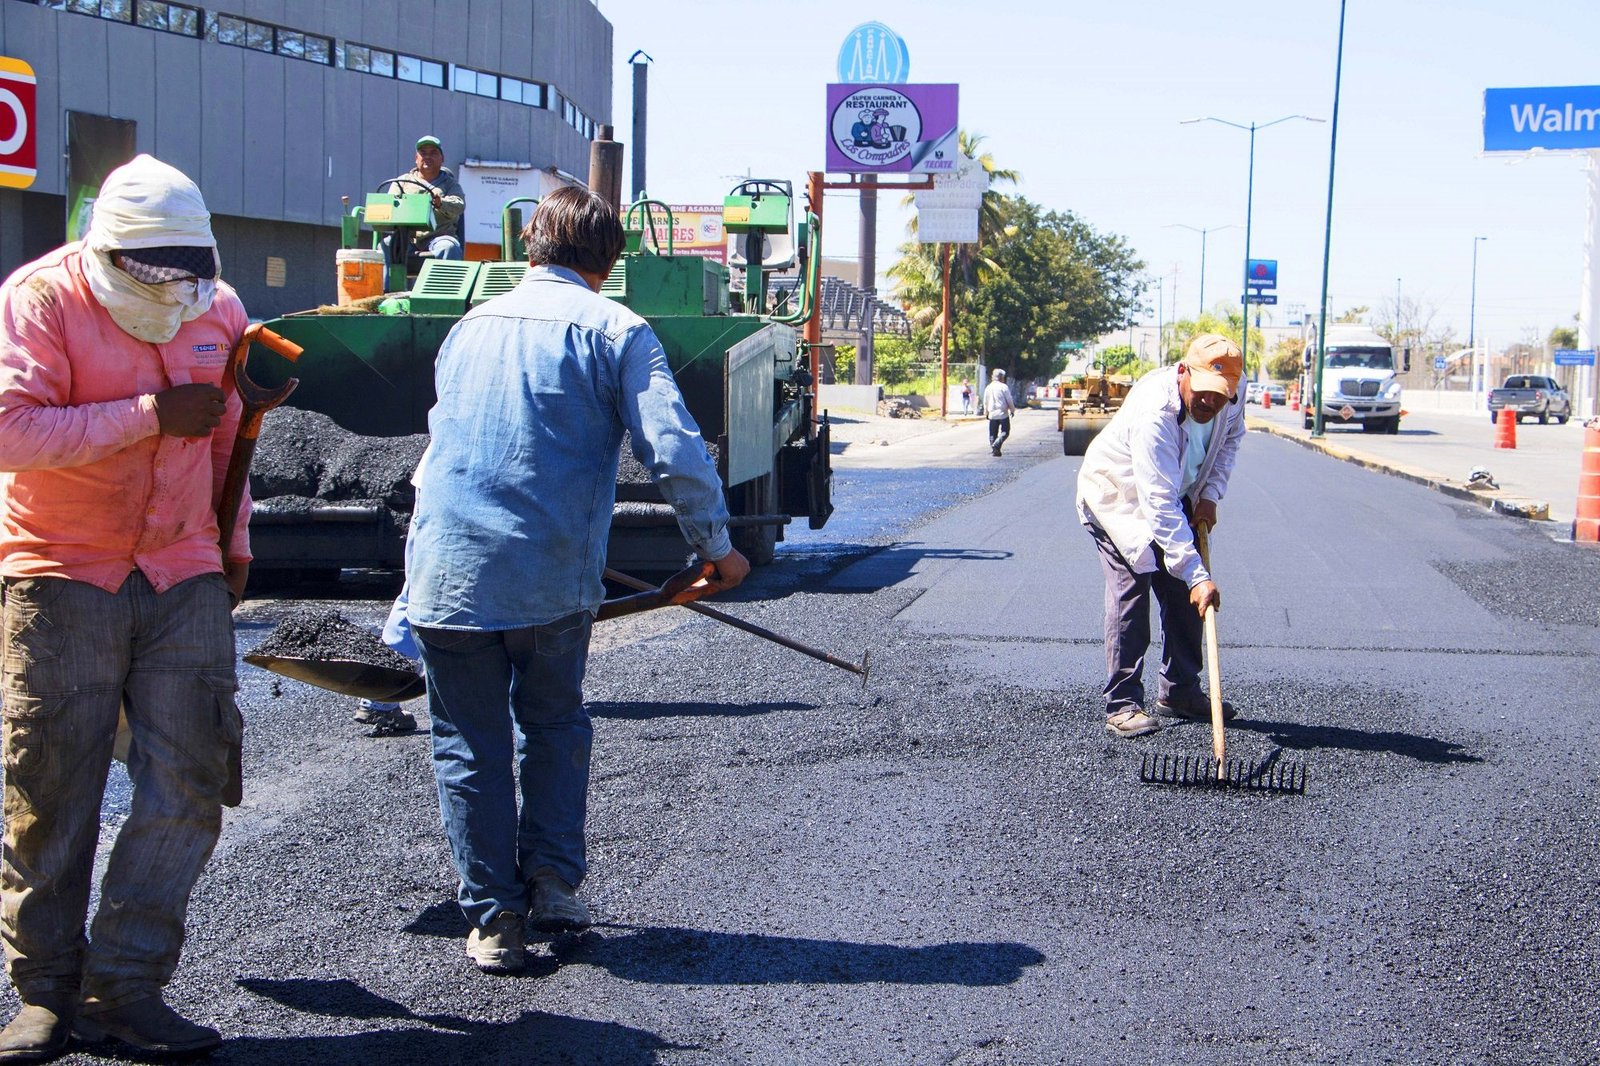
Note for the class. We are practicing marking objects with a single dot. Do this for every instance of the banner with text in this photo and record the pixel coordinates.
(889, 129)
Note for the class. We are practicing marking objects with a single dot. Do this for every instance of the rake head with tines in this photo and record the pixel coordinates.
(1272, 774)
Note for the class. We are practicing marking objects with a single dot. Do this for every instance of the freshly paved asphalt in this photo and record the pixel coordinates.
(957, 864)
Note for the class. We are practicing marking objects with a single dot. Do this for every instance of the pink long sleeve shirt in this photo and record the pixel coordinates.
(90, 488)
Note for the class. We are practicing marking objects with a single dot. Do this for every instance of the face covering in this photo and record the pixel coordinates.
(151, 313)
(147, 204)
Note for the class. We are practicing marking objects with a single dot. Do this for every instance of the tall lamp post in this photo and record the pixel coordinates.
(1249, 197)
(1202, 231)
(1472, 321)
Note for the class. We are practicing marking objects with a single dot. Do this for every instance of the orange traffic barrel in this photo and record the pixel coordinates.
(1587, 525)
(1505, 429)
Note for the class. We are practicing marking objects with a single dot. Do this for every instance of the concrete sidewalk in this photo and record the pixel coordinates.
(1538, 479)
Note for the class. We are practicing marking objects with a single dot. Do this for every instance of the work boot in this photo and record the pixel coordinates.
(40, 1030)
(1196, 707)
(556, 906)
(146, 1024)
(498, 947)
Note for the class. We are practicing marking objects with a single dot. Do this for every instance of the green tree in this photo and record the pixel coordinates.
(1223, 320)
(1055, 276)
(1564, 337)
(1285, 361)
(1354, 314)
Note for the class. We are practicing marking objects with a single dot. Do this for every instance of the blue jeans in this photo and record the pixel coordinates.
(482, 688)
(73, 654)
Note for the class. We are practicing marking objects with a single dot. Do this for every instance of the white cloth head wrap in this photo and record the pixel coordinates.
(147, 204)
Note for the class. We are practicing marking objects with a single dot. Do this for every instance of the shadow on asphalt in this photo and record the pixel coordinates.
(638, 711)
(889, 566)
(675, 956)
(1410, 745)
(533, 1037)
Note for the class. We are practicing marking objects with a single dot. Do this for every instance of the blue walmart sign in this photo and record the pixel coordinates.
(1567, 118)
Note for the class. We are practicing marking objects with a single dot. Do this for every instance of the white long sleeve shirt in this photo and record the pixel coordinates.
(1131, 481)
(997, 401)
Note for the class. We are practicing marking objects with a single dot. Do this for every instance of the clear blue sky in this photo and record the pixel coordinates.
(1085, 99)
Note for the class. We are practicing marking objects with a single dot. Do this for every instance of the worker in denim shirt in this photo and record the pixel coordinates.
(508, 542)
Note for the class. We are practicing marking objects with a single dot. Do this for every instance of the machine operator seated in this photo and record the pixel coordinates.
(431, 176)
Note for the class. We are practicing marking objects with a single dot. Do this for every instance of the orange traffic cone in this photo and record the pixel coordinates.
(1266, 399)
(1586, 526)
(1294, 397)
(1505, 429)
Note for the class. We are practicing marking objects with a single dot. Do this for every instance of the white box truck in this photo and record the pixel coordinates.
(1360, 382)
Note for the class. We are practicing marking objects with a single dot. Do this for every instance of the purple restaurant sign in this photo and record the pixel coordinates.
(888, 129)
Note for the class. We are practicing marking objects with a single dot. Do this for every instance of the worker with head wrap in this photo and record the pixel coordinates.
(114, 442)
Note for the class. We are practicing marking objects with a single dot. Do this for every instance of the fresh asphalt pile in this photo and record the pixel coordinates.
(946, 867)
(304, 458)
(322, 634)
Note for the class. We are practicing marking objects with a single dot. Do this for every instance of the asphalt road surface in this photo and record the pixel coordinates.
(956, 864)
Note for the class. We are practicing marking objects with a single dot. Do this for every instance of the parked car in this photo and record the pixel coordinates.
(1279, 394)
(1252, 391)
(1531, 396)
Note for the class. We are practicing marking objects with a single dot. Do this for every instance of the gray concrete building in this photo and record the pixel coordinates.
(277, 108)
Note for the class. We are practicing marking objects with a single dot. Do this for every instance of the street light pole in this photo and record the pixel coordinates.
(1249, 198)
(1202, 231)
(1327, 239)
(1472, 314)
(1478, 371)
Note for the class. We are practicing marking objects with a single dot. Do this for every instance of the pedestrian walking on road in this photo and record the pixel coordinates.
(507, 545)
(1158, 469)
(999, 406)
(966, 396)
(114, 442)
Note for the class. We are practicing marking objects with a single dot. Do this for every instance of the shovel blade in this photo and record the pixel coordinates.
(383, 684)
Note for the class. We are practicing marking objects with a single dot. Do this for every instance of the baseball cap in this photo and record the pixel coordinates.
(168, 262)
(1214, 364)
(429, 138)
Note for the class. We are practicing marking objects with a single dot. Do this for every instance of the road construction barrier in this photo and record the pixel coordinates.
(1266, 399)
(1586, 527)
(1294, 397)
(1505, 429)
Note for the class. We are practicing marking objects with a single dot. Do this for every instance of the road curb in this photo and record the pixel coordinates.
(1491, 499)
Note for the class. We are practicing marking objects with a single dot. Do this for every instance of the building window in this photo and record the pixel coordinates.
(171, 18)
(264, 37)
(467, 80)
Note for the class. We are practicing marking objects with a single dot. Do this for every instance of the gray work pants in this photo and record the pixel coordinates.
(1127, 626)
(74, 654)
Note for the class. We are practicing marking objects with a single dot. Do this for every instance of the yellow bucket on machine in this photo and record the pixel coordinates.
(360, 273)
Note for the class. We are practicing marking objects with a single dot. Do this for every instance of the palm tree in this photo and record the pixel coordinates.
(916, 274)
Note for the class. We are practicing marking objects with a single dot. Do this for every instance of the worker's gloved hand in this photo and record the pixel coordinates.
(731, 569)
(1205, 514)
(191, 410)
(1205, 595)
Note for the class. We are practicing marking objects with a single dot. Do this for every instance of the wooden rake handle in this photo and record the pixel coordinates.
(1219, 749)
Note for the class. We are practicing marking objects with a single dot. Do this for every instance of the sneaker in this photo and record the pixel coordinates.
(556, 906)
(367, 711)
(1196, 707)
(498, 947)
(391, 724)
(146, 1024)
(1131, 723)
